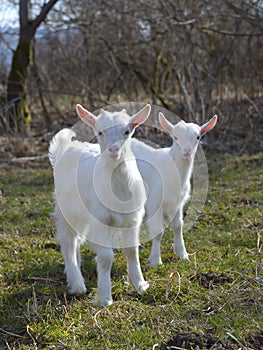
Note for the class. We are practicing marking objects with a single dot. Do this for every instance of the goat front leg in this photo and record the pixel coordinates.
(135, 276)
(104, 259)
(177, 226)
(155, 229)
(71, 253)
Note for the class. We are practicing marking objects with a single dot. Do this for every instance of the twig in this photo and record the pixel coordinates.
(8, 347)
(28, 329)
(12, 334)
(39, 279)
(22, 159)
(239, 343)
(254, 105)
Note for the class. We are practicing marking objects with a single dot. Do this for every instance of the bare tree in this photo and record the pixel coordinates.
(183, 55)
(16, 87)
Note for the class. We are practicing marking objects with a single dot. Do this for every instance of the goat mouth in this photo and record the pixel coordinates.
(114, 155)
(187, 155)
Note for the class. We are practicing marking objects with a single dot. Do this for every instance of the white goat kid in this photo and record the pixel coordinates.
(167, 173)
(99, 197)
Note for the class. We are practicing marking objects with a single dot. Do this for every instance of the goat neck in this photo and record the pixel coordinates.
(183, 163)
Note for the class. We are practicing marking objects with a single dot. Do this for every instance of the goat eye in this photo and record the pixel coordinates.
(198, 137)
(99, 133)
(126, 132)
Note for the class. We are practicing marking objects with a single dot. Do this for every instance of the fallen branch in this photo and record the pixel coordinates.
(22, 159)
(12, 334)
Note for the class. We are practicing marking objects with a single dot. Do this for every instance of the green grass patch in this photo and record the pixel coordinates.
(219, 291)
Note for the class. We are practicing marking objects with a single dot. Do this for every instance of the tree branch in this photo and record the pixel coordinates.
(254, 105)
(229, 33)
(44, 12)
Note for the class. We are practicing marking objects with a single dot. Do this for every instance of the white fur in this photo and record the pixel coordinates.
(167, 173)
(99, 197)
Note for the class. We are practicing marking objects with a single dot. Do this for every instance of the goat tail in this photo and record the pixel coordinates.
(59, 143)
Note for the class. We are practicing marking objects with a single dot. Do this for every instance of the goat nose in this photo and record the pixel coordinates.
(113, 148)
(187, 150)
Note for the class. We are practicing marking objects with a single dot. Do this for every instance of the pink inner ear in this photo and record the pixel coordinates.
(86, 116)
(134, 125)
(209, 125)
(164, 123)
(141, 117)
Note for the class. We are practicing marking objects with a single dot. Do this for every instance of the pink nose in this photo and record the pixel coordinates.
(114, 148)
(187, 150)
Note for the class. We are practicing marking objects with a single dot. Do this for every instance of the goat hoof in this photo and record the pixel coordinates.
(155, 262)
(143, 286)
(78, 290)
(184, 256)
(106, 302)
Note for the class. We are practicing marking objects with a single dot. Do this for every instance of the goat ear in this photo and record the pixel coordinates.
(165, 123)
(140, 116)
(103, 111)
(209, 125)
(86, 116)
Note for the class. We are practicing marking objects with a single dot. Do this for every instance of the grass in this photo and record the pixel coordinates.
(219, 291)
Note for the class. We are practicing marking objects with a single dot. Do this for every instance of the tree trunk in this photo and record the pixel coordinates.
(19, 116)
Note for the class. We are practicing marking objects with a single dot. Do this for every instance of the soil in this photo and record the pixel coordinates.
(210, 279)
(254, 340)
(194, 340)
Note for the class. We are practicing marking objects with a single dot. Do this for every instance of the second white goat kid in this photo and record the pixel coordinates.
(99, 197)
(167, 173)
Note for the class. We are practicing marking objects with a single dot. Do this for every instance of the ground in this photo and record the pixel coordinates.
(212, 301)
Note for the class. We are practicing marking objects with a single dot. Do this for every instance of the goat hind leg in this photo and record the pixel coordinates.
(135, 276)
(155, 255)
(155, 230)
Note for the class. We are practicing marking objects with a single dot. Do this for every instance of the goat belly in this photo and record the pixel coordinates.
(121, 221)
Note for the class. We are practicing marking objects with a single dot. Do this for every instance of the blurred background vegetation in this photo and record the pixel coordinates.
(192, 57)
